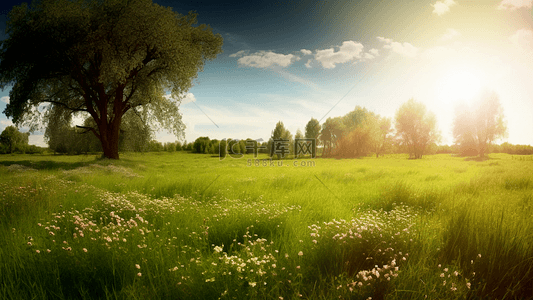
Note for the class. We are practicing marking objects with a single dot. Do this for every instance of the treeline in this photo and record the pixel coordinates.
(512, 149)
(14, 141)
(414, 131)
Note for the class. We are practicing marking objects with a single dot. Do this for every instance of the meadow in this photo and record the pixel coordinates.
(190, 226)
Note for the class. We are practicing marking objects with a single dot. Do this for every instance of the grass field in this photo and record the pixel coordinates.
(187, 226)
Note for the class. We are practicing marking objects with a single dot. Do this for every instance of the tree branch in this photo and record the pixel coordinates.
(66, 106)
(87, 129)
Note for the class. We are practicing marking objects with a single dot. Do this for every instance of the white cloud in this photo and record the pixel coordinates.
(450, 34)
(348, 51)
(238, 54)
(306, 52)
(308, 63)
(523, 38)
(371, 54)
(265, 59)
(368, 56)
(384, 40)
(404, 49)
(442, 7)
(5, 99)
(185, 98)
(189, 97)
(514, 4)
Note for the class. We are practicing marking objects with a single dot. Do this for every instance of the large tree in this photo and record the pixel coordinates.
(477, 125)
(102, 58)
(416, 127)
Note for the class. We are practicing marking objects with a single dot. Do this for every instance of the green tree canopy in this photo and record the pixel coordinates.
(103, 59)
(279, 133)
(331, 132)
(14, 140)
(312, 129)
(416, 127)
(299, 134)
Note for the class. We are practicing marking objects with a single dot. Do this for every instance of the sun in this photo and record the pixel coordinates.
(459, 84)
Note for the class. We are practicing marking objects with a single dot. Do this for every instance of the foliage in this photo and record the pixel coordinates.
(512, 149)
(206, 146)
(280, 133)
(298, 135)
(416, 127)
(13, 140)
(356, 134)
(477, 125)
(331, 132)
(383, 143)
(102, 59)
(61, 137)
(312, 130)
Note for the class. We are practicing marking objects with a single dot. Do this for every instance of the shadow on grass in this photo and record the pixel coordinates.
(63, 165)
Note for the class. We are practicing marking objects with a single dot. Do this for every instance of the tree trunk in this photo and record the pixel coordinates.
(109, 138)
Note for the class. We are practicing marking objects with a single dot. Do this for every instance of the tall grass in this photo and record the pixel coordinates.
(186, 226)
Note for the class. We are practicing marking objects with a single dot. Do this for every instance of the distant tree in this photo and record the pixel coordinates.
(312, 129)
(476, 126)
(103, 58)
(201, 144)
(179, 147)
(170, 147)
(331, 131)
(215, 146)
(360, 133)
(384, 142)
(233, 146)
(280, 132)
(222, 148)
(298, 135)
(416, 127)
(249, 145)
(155, 146)
(14, 140)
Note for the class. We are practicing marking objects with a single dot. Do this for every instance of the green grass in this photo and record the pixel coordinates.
(187, 226)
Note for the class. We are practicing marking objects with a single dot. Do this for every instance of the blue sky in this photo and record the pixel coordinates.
(293, 60)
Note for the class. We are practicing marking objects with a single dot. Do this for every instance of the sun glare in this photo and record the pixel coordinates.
(459, 85)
